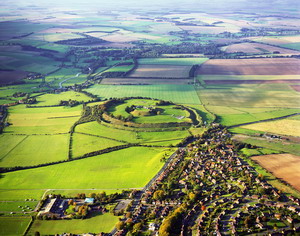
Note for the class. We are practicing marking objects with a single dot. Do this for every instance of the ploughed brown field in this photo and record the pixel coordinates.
(162, 71)
(133, 81)
(258, 66)
(10, 77)
(258, 48)
(283, 81)
(283, 166)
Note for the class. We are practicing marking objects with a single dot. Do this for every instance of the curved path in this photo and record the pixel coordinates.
(60, 83)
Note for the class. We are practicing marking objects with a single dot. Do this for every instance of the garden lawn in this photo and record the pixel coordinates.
(95, 224)
(36, 149)
(127, 168)
(13, 225)
(182, 94)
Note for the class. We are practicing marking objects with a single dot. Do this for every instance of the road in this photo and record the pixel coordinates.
(139, 195)
(60, 83)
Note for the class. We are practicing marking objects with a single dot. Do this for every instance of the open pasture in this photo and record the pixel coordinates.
(97, 223)
(251, 95)
(283, 166)
(54, 99)
(30, 150)
(278, 40)
(257, 48)
(50, 120)
(182, 94)
(95, 128)
(184, 61)
(259, 66)
(10, 226)
(249, 78)
(129, 168)
(161, 71)
(85, 143)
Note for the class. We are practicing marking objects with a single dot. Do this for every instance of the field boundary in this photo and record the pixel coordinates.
(266, 120)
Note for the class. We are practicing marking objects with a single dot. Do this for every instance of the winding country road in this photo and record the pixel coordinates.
(60, 83)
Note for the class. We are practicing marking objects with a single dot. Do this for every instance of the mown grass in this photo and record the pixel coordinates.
(20, 195)
(32, 150)
(13, 225)
(54, 99)
(97, 129)
(94, 224)
(183, 94)
(14, 206)
(127, 168)
(41, 120)
(83, 144)
(172, 61)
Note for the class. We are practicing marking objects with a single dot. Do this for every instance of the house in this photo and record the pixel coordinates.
(152, 227)
(89, 200)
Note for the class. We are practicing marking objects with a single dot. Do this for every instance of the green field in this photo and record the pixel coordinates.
(97, 129)
(295, 46)
(17, 206)
(182, 94)
(120, 68)
(129, 168)
(50, 120)
(168, 113)
(94, 224)
(13, 225)
(83, 144)
(172, 61)
(251, 95)
(233, 119)
(54, 99)
(31, 150)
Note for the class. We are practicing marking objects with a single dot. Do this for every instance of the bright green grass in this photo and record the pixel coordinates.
(168, 115)
(29, 87)
(225, 110)
(238, 130)
(184, 94)
(20, 195)
(263, 95)
(162, 138)
(14, 206)
(75, 80)
(206, 115)
(35, 150)
(83, 144)
(120, 108)
(258, 151)
(54, 99)
(73, 193)
(172, 61)
(13, 225)
(48, 120)
(95, 224)
(97, 129)
(5, 101)
(9, 142)
(128, 168)
(233, 119)
(120, 68)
